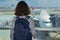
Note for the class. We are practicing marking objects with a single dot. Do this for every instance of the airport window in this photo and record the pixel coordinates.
(8, 7)
(46, 15)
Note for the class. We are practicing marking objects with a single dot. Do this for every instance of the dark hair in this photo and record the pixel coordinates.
(22, 9)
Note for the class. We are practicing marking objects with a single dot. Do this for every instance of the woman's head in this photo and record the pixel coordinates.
(22, 9)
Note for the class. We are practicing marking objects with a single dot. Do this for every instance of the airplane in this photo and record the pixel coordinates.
(44, 19)
(42, 16)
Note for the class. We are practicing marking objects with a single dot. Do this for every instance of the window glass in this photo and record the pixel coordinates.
(46, 14)
(40, 11)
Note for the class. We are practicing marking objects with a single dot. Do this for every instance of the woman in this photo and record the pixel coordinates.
(22, 10)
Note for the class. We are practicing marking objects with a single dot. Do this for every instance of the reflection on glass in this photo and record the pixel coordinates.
(6, 19)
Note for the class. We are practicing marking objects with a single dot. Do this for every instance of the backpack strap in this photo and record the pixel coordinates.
(17, 17)
(27, 17)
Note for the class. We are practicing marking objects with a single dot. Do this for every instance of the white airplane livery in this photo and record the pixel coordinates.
(44, 20)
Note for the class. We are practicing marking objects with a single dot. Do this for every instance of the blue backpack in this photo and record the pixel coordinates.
(21, 29)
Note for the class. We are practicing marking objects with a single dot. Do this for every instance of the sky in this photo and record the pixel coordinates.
(35, 3)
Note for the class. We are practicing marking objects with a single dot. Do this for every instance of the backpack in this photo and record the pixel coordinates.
(21, 29)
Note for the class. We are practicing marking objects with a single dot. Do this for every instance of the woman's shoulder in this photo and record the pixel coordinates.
(31, 18)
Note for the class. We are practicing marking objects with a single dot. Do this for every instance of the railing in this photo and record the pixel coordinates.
(4, 28)
(48, 29)
(37, 28)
